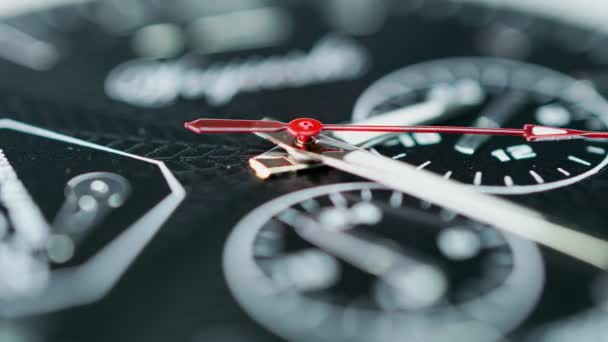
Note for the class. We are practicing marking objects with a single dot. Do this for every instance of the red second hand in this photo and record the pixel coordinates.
(305, 129)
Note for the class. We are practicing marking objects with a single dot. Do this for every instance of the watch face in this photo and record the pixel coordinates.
(116, 223)
(502, 93)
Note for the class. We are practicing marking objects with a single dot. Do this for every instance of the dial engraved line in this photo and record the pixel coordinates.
(536, 177)
(423, 165)
(564, 172)
(477, 180)
(579, 160)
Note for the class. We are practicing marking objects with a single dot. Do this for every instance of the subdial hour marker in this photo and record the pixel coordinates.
(477, 179)
(596, 150)
(579, 160)
(396, 199)
(536, 177)
(366, 195)
(423, 165)
(338, 200)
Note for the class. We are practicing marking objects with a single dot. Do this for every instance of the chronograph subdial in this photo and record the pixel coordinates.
(359, 262)
(512, 94)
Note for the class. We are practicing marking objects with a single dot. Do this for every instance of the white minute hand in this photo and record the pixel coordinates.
(459, 198)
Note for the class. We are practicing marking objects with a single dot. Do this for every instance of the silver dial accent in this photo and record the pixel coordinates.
(288, 292)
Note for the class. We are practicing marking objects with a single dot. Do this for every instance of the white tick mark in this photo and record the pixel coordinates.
(396, 199)
(366, 195)
(595, 150)
(578, 160)
(399, 156)
(537, 177)
(338, 200)
(447, 175)
(477, 179)
(311, 205)
(508, 181)
(423, 165)
(564, 172)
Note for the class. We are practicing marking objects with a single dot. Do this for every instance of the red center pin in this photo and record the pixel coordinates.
(304, 129)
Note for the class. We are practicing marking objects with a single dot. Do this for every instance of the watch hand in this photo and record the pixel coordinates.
(411, 115)
(497, 113)
(373, 258)
(306, 129)
(442, 100)
(204, 126)
(425, 185)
